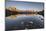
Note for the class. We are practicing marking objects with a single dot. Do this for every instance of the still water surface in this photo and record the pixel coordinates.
(23, 21)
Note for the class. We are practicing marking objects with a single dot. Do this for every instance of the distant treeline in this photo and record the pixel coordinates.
(9, 12)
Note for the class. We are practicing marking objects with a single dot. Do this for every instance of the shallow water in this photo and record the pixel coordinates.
(24, 21)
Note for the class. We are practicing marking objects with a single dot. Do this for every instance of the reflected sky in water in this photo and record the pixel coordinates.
(36, 20)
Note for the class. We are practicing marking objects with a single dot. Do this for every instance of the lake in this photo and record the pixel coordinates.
(22, 21)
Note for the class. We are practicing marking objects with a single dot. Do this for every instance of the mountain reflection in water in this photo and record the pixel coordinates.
(21, 21)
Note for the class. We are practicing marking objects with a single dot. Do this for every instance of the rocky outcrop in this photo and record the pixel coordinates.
(41, 12)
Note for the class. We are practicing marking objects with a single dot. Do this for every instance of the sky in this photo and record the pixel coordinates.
(36, 6)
